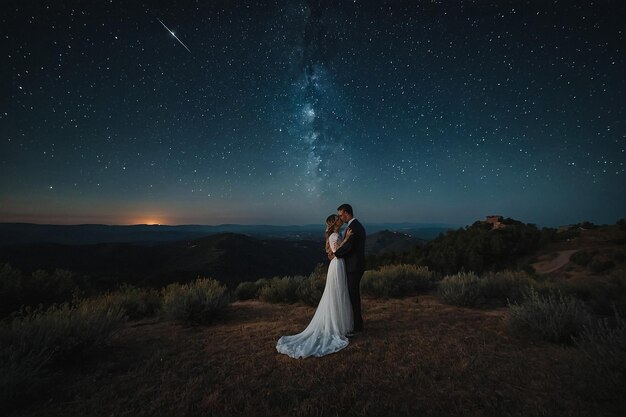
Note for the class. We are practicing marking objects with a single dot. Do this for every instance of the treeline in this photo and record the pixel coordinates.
(478, 248)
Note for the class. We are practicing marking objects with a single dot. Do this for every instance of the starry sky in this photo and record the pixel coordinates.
(276, 112)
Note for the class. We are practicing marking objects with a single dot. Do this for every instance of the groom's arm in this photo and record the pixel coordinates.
(345, 248)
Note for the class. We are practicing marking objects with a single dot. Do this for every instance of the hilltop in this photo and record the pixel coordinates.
(417, 357)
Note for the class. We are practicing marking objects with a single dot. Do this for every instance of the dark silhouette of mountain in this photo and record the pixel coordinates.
(27, 233)
(388, 241)
(228, 257)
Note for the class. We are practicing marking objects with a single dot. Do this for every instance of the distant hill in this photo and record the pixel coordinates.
(28, 233)
(388, 241)
(228, 257)
(581, 254)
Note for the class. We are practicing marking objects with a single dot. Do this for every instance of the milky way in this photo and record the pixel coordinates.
(437, 111)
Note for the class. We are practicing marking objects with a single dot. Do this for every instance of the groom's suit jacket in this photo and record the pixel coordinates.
(353, 251)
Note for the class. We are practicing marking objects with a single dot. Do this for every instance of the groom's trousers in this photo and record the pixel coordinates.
(354, 291)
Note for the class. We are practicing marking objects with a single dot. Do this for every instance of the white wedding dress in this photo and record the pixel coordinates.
(326, 333)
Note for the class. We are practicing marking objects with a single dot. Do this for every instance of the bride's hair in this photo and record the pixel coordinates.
(330, 228)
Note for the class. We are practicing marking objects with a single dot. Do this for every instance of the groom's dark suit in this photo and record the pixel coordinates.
(353, 252)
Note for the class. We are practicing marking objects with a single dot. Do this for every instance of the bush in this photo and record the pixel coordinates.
(604, 346)
(286, 289)
(35, 337)
(582, 257)
(47, 288)
(10, 289)
(247, 291)
(197, 302)
(597, 266)
(281, 290)
(462, 289)
(311, 289)
(501, 288)
(553, 317)
(397, 281)
(495, 289)
(250, 290)
(136, 302)
(604, 296)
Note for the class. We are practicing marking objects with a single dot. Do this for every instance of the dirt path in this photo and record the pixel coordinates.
(551, 265)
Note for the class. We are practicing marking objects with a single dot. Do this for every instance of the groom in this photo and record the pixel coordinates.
(353, 252)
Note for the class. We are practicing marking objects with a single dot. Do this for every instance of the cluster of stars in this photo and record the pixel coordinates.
(249, 111)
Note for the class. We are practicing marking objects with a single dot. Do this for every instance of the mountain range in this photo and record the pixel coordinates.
(27, 233)
(157, 255)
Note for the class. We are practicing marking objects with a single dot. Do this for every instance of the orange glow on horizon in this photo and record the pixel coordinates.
(151, 221)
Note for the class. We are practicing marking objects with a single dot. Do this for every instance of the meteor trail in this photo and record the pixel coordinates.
(174, 35)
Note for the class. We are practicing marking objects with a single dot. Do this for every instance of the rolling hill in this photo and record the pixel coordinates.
(228, 257)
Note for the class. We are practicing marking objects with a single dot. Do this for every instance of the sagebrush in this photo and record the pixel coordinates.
(198, 302)
(33, 338)
(397, 281)
(554, 316)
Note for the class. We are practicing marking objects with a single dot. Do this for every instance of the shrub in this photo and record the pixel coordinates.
(462, 289)
(311, 289)
(286, 289)
(247, 291)
(604, 346)
(553, 317)
(250, 290)
(582, 257)
(197, 302)
(281, 290)
(597, 266)
(501, 288)
(492, 289)
(136, 302)
(39, 288)
(397, 281)
(35, 337)
(45, 287)
(603, 296)
(10, 289)
(529, 269)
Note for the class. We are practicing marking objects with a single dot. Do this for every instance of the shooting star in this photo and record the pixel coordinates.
(174, 35)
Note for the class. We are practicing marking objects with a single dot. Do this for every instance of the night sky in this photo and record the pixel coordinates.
(277, 112)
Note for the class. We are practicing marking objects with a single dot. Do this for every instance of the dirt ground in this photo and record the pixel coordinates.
(417, 356)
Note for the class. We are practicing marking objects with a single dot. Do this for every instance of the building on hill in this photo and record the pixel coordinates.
(495, 221)
(566, 227)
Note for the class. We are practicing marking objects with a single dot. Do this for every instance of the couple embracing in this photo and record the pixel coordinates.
(338, 314)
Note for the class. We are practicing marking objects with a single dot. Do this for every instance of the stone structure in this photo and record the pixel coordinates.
(495, 221)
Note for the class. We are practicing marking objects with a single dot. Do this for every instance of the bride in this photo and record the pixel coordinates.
(326, 333)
